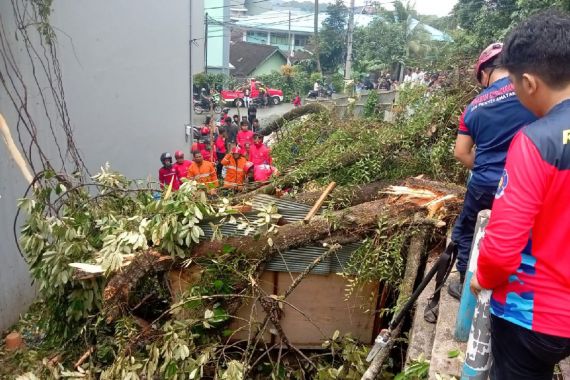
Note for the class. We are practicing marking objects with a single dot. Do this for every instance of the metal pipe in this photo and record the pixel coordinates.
(478, 356)
(468, 301)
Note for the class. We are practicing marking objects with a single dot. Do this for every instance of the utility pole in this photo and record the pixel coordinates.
(290, 45)
(190, 137)
(348, 67)
(206, 43)
(316, 31)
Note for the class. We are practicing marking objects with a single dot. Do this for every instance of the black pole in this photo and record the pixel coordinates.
(206, 43)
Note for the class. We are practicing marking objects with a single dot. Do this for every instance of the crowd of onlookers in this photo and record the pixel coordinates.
(413, 77)
(226, 153)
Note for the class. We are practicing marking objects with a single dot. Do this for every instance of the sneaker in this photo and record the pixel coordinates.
(455, 288)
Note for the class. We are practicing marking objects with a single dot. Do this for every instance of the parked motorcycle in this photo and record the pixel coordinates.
(206, 105)
(324, 92)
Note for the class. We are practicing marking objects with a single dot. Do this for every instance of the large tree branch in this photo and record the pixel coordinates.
(411, 206)
(292, 115)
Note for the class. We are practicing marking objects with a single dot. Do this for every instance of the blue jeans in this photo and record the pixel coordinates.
(522, 354)
(477, 198)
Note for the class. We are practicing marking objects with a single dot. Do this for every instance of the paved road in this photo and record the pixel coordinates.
(265, 115)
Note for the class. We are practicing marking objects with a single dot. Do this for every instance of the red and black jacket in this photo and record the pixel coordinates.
(532, 289)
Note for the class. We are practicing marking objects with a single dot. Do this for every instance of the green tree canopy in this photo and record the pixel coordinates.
(333, 37)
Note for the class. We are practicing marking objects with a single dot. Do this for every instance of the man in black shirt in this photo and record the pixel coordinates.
(251, 114)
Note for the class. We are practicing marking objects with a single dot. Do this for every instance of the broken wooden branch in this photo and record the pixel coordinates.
(353, 223)
(346, 196)
(84, 357)
(14, 152)
(415, 252)
(117, 291)
(292, 115)
(319, 202)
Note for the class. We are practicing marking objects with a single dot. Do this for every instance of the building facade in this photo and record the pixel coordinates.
(126, 81)
(217, 19)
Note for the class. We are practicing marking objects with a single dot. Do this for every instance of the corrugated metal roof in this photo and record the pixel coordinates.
(298, 259)
(293, 260)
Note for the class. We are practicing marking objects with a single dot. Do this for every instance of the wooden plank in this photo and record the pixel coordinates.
(319, 202)
(321, 299)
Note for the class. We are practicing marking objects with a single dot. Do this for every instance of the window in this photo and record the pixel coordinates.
(279, 39)
(301, 41)
(256, 37)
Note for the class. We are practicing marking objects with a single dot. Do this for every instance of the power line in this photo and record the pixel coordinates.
(231, 6)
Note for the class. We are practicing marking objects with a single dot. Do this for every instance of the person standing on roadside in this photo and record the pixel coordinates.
(530, 303)
(259, 154)
(232, 130)
(203, 172)
(252, 114)
(244, 135)
(236, 169)
(297, 101)
(255, 127)
(167, 174)
(490, 122)
(181, 165)
(221, 149)
(247, 96)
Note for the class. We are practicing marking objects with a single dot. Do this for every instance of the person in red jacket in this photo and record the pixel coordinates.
(167, 174)
(244, 135)
(208, 153)
(530, 303)
(297, 101)
(262, 173)
(181, 165)
(259, 154)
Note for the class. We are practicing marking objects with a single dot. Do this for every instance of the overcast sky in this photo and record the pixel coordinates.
(426, 7)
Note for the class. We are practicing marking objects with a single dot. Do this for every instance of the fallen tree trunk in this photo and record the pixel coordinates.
(116, 293)
(292, 115)
(346, 196)
(353, 221)
(351, 224)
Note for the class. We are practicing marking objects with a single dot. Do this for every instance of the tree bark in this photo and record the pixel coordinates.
(116, 293)
(353, 221)
(292, 115)
(343, 226)
(347, 196)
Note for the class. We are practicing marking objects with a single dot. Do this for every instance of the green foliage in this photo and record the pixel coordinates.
(420, 141)
(389, 39)
(351, 356)
(417, 370)
(298, 82)
(215, 81)
(102, 230)
(378, 259)
(484, 22)
(332, 37)
(370, 108)
(42, 12)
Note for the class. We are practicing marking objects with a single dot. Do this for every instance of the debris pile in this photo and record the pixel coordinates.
(104, 254)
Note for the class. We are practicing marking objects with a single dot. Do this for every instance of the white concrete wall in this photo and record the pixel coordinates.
(125, 67)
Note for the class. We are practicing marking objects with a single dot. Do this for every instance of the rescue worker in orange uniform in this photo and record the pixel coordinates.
(236, 169)
(203, 172)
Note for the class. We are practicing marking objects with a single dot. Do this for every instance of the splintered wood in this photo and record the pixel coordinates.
(432, 200)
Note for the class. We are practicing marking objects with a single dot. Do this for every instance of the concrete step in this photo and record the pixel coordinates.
(422, 333)
(441, 365)
(436, 342)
